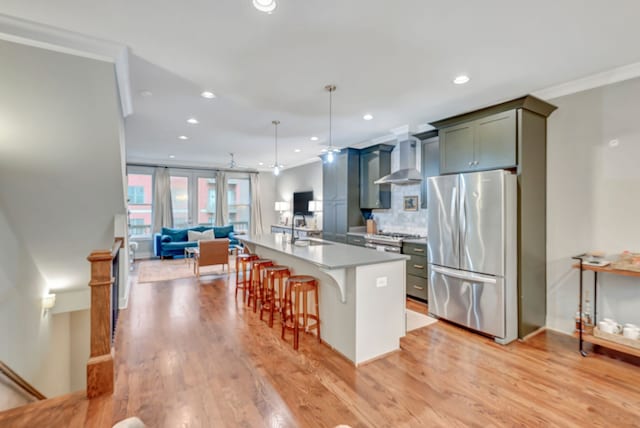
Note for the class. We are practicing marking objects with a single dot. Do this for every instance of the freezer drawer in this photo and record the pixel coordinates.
(470, 299)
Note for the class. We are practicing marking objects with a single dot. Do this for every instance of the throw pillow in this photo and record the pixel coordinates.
(166, 238)
(222, 231)
(198, 236)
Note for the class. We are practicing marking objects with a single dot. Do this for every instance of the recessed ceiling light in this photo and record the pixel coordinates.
(183, 137)
(171, 156)
(367, 116)
(193, 121)
(314, 138)
(146, 93)
(208, 94)
(461, 80)
(260, 163)
(265, 5)
(297, 150)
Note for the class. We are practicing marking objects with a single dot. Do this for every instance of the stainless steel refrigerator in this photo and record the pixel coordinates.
(472, 250)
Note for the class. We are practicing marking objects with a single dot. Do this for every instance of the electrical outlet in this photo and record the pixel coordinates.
(381, 281)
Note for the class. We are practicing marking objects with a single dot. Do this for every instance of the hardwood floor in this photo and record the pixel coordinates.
(188, 355)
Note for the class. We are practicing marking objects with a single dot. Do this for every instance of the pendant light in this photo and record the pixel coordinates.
(330, 155)
(276, 166)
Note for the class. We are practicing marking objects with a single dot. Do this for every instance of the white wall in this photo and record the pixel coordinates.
(31, 343)
(299, 179)
(267, 197)
(61, 185)
(79, 347)
(593, 197)
(60, 158)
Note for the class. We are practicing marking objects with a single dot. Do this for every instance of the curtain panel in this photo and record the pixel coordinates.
(256, 209)
(162, 210)
(222, 206)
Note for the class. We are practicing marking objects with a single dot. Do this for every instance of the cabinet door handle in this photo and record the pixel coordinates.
(476, 163)
(418, 288)
(418, 266)
(470, 163)
(419, 250)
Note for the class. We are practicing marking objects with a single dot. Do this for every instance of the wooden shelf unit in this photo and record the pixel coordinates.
(582, 335)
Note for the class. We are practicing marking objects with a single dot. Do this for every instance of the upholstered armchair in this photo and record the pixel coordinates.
(213, 252)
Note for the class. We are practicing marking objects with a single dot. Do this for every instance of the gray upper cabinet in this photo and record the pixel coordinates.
(375, 162)
(486, 143)
(341, 195)
(430, 166)
(456, 148)
(496, 141)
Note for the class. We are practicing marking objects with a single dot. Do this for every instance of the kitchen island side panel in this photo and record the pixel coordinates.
(380, 310)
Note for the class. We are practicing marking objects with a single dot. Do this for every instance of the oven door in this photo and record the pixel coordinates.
(379, 247)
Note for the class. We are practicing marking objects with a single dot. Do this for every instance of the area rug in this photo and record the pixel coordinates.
(166, 270)
(416, 320)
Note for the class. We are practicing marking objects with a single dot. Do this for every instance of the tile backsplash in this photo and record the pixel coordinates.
(397, 219)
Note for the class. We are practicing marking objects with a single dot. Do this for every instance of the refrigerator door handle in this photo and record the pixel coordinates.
(464, 275)
(454, 220)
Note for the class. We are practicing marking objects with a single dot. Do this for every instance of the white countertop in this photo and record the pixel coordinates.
(332, 255)
(302, 228)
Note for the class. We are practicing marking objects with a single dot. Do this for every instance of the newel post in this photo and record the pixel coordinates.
(100, 371)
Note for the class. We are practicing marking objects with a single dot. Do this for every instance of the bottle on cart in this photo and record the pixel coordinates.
(586, 316)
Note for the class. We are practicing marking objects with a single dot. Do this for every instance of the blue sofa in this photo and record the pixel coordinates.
(172, 242)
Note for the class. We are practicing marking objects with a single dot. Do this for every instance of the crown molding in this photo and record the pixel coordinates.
(55, 39)
(604, 78)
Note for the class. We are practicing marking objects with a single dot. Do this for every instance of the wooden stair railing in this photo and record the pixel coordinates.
(19, 381)
(100, 370)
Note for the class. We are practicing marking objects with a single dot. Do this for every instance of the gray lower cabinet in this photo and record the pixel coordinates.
(486, 143)
(417, 282)
(341, 195)
(417, 287)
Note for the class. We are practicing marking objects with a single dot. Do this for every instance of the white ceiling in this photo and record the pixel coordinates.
(394, 60)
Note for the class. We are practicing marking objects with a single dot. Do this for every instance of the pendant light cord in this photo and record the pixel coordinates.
(330, 88)
(276, 123)
(330, 118)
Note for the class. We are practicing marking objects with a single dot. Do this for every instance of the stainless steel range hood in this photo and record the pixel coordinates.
(407, 174)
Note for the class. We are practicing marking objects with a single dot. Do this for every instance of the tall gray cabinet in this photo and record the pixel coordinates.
(511, 135)
(341, 195)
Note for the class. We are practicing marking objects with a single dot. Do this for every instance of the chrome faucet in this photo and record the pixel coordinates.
(293, 223)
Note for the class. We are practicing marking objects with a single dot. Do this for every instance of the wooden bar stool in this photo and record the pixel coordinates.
(242, 263)
(272, 297)
(255, 281)
(296, 294)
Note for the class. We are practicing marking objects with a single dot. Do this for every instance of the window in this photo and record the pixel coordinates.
(180, 201)
(140, 204)
(206, 201)
(239, 203)
(136, 194)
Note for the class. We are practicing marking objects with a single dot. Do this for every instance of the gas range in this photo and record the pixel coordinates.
(388, 241)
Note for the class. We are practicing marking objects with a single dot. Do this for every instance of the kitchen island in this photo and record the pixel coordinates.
(362, 291)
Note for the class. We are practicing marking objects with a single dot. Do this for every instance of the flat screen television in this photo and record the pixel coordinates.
(301, 202)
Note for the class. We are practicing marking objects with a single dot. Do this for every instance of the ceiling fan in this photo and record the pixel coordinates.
(234, 165)
(232, 162)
